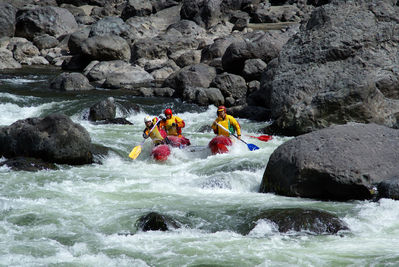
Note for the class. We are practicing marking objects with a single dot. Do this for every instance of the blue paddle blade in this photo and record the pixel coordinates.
(252, 147)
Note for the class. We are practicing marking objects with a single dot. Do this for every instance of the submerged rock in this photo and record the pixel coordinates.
(300, 220)
(156, 222)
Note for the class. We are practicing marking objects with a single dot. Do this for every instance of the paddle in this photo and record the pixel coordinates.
(137, 149)
(263, 138)
(251, 147)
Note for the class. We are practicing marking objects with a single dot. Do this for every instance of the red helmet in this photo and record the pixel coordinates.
(168, 111)
(220, 108)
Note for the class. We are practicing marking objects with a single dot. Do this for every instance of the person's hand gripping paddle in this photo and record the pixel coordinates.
(137, 149)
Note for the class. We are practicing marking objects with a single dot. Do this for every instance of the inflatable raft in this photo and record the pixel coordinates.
(219, 144)
(162, 152)
(180, 142)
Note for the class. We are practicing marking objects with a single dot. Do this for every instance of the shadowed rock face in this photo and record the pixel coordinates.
(338, 163)
(55, 138)
(337, 69)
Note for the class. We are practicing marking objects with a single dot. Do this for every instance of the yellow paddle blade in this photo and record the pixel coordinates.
(135, 152)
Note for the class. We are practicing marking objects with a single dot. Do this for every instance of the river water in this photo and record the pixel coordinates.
(86, 215)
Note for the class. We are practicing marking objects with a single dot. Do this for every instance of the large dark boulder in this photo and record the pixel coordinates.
(337, 69)
(300, 220)
(338, 163)
(54, 21)
(54, 138)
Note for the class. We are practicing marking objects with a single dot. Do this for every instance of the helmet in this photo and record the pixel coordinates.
(220, 108)
(168, 111)
(147, 119)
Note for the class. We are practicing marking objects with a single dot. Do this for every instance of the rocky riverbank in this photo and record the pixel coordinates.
(303, 65)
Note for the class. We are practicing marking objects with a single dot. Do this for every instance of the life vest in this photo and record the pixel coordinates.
(157, 135)
(173, 130)
(229, 123)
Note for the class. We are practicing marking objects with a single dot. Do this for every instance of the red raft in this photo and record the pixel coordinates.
(178, 141)
(219, 144)
(162, 152)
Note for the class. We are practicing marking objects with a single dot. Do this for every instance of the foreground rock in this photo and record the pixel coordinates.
(338, 163)
(337, 69)
(55, 138)
(300, 220)
(156, 222)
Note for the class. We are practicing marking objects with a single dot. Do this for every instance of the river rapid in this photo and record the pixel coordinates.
(86, 215)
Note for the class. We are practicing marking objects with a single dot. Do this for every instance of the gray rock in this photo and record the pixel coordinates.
(103, 110)
(136, 8)
(71, 82)
(106, 47)
(338, 69)
(231, 85)
(7, 20)
(54, 21)
(337, 163)
(45, 41)
(203, 96)
(7, 60)
(199, 75)
(54, 138)
(301, 220)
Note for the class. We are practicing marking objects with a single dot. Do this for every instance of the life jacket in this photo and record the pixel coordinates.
(229, 123)
(173, 130)
(157, 135)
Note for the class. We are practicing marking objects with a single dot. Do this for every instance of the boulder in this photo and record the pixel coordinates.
(54, 138)
(54, 21)
(71, 82)
(156, 222)
(199, 75)
(203, 96)
(300, 220)
(257, 44)
(105, 48)
(231, 85)
(7, 60)
(340, 163)
(103, 110)
(337, 69)
(7, 20)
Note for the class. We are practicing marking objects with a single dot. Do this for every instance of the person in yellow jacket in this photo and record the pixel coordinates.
(157, 135)
(228, 122)
(172, 124)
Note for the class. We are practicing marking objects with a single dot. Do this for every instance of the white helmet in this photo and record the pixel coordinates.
(147, 119)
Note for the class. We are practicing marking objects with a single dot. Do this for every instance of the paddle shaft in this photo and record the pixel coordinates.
(231, 133)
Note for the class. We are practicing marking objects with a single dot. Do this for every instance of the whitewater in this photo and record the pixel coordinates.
(86, 215)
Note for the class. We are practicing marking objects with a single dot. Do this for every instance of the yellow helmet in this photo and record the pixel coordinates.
(147, 119)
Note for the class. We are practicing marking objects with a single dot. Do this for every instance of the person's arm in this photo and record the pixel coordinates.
(145, 133)
(236, 125)
(179, 122)
(215, 126)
